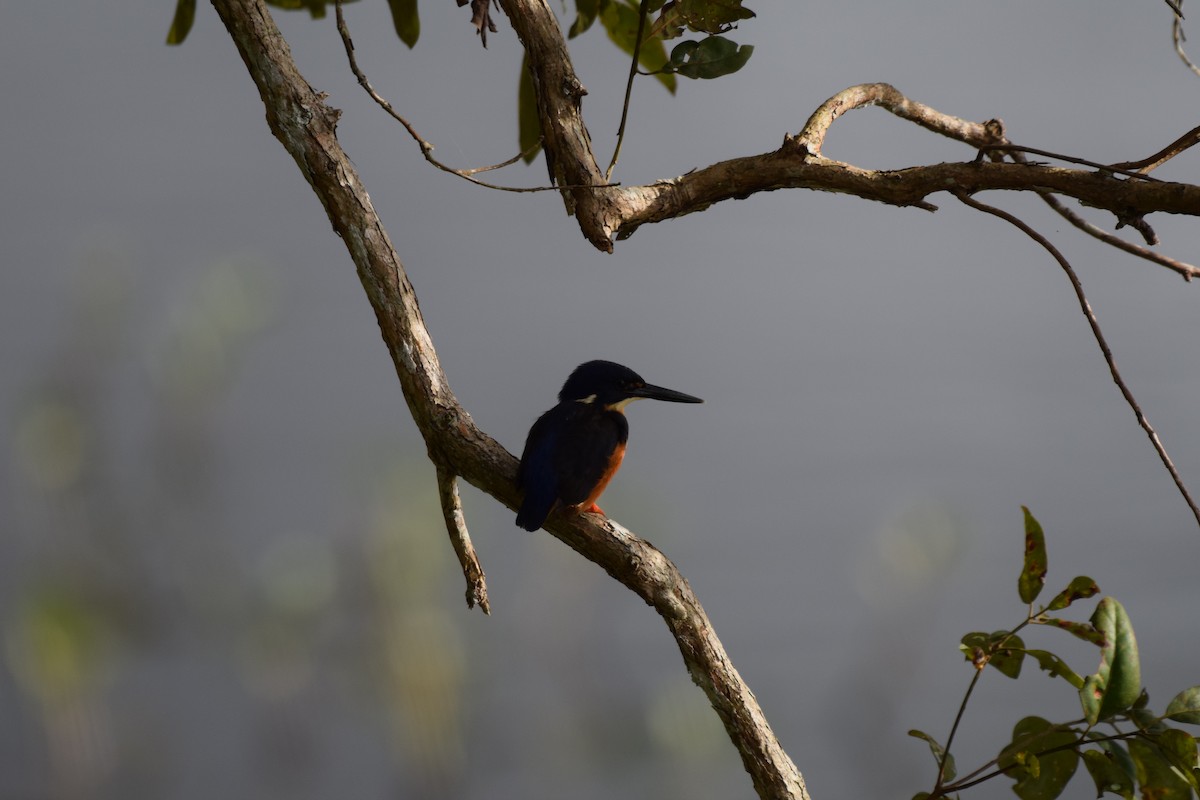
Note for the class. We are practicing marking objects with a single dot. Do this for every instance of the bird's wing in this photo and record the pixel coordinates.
(536, 475)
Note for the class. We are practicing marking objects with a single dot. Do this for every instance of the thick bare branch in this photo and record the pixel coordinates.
(791, 167)
(304, 125)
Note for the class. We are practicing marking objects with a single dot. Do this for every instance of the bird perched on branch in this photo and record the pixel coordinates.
(575, 448)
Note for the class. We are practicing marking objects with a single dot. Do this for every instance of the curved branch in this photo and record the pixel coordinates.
(305, 126)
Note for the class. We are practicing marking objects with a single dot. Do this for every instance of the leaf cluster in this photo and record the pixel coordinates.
(709, 57)
(1125, 747)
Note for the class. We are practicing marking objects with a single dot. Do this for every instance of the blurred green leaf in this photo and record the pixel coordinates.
(529, 124)
(620, 20)
(405, 20)
(1155, 775)
(185, 15)
(1033, 573)
(939, 754)
(1107, 774)
(1185, 706)
(1056, 667)
(60, 642)
(1039, 773)
(585, 14)
(1079, 588)
(709, 58)
(1118, 681)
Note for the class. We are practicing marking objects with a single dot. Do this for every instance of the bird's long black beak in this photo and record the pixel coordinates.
(651, 392)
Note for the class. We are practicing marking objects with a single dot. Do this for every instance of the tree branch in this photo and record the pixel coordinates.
(302, 122)
(605, 212)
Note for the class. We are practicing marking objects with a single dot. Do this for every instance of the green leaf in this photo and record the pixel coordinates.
(1003, 650)
(405, 20)
(1039, 773)
(1033, 574)
(939, 754)
(1056, 667)
(1108, 774)
(529, 124)
(1179, 748)
(620, 20)
(585, 14)
(1079, 588)
(709, 58)
(1155, 775)
(1081, 630)
(1185, 706)
(698, 16)
(185, 15)
(1118, 681)
(1009, 656)
(712, 16)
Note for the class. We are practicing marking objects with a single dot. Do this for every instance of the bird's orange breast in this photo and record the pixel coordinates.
(614, 464)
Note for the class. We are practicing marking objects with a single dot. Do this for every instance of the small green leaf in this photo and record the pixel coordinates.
(1033, 573)
(939, 754)
(405, 20)
(1118, 681)
(1081, 630)
(620, 20)
(1009, 656)
(1107, 774)
(185, 15)
(709, 58)
(1040, 774)
(1156, 777)
(712, 16)
(1080, 588)
(1185, 706)
(585, 14)
(1056, 667)
(529, 124)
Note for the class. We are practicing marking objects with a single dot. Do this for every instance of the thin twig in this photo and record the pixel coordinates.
(1176, 147)
(962, 708)
(460, 539)
(426, 147)
(1099, 336)
(1115, 168)
(633, 70)
(1185, 269)
(1179, 38)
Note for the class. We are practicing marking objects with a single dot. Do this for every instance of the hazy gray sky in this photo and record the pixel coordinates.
(883, 387)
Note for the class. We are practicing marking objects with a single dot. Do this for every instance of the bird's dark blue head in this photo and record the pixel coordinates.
(612, 386)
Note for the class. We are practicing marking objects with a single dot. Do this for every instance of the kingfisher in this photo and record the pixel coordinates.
(575, 448)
